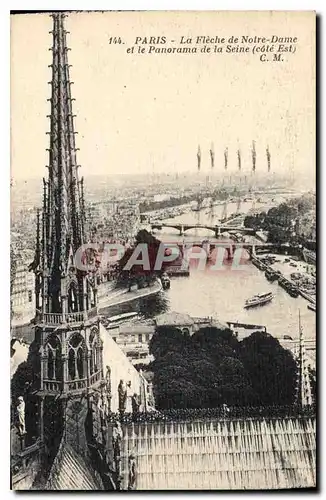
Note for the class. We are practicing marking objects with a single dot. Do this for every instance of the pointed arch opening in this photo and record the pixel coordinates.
(73, 303)
(76, 357)
(95, 351)
(54, 358)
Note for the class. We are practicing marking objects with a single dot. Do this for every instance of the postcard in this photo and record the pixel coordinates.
(163, 250)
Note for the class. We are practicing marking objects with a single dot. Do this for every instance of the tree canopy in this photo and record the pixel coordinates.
(138, 273)
(283, 222)
(213, 368)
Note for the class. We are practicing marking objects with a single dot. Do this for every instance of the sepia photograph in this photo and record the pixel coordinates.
(163, 250)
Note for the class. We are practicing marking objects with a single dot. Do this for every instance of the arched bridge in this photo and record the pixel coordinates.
(216, 228)
(253, 249)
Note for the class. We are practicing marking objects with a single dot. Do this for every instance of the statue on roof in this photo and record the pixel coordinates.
(21, 416)
(135, 404)
(129, 396)
(117, 436)
(108, 387)
(132, 472)
(122, 391)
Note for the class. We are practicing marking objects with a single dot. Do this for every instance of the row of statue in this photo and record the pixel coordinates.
(129, 401)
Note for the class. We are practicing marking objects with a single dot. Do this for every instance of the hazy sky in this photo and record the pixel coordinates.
(149, 112)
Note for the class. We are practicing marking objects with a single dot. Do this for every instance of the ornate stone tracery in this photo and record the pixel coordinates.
(76, 356)
(53, 354)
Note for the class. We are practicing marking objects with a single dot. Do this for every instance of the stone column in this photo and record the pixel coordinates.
(41, 415)
(64, 360)
(65, 373)
(85, 367)
(37, 291)
(88, 372)
(84, 293)
(44, 368)
(64, 299)
(44, 292)
(95, 296)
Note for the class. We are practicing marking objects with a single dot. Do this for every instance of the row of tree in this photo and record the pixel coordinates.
(219, 194)
(283, 222)
(213, 368)
(148, 206)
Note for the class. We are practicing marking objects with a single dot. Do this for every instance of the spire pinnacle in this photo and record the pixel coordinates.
(254, 156)
(62, 220)
(226, 154)
(268, 155)
(212, 154)
(198, 158)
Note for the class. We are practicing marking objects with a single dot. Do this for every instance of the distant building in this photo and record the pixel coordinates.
(118, 221)
(161, 197)
(133, 338)
(187, 324)
(22, 294)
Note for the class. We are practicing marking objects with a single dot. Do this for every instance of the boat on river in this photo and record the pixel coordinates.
(259, 299)
(293, 291)
(290, 287)
(309, 256)
(272, 275)
(165, 281)
(307, 296)
(118, 319)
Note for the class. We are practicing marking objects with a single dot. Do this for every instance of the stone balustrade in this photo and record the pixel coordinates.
(62, 318)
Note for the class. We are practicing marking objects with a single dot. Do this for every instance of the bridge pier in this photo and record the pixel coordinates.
(217, 231)
(181, 230)
(249, 250)
(207, 247)
(229, 251)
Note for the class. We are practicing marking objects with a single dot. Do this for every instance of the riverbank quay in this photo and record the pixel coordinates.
(118, 297)
(165, 213)
(281, 268)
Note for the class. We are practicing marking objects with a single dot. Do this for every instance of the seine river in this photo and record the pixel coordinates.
(222, 293)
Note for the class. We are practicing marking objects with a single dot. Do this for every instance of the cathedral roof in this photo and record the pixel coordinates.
(226, 454)
(70, 472)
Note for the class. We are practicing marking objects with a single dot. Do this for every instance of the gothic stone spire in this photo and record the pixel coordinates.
(67, 334)
(63, 218)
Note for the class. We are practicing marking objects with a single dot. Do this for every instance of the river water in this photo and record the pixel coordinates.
(222, 293)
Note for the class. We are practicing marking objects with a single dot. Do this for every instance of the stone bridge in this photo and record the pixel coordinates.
(253, 249)
(218, 229)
